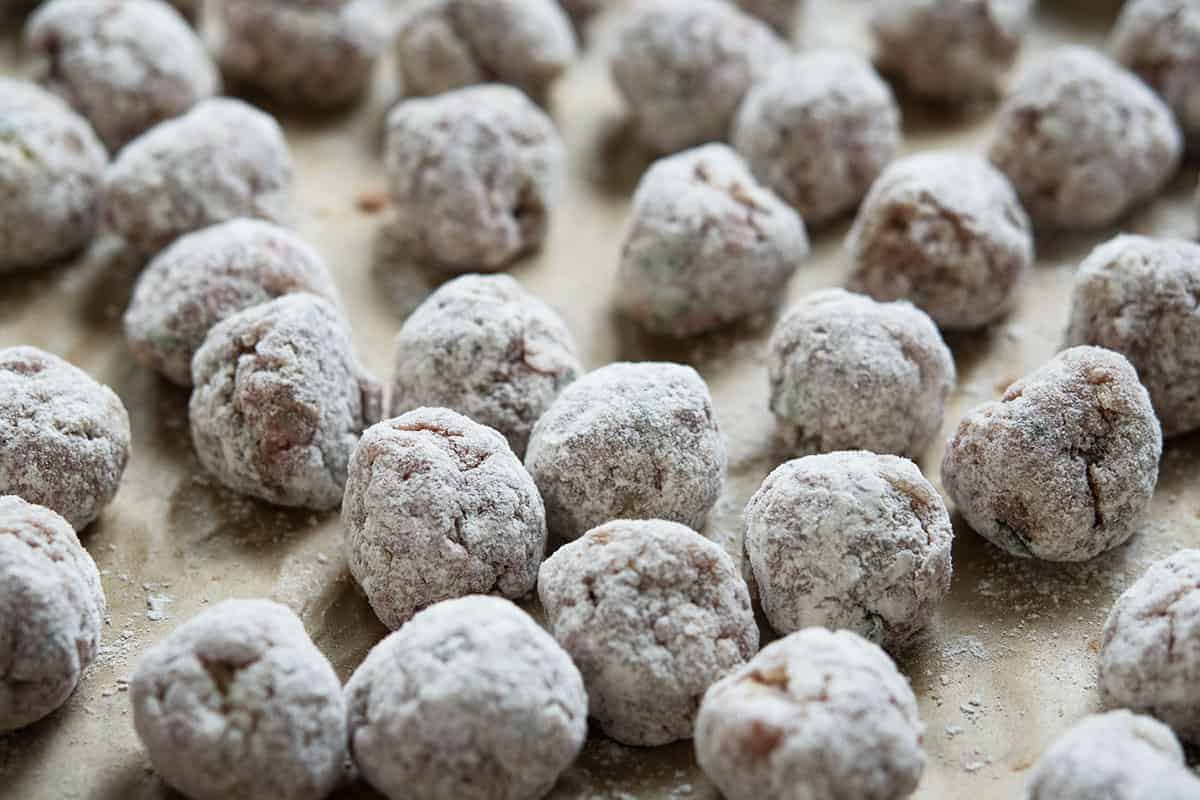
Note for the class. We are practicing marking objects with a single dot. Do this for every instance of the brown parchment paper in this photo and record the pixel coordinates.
(1011, 660)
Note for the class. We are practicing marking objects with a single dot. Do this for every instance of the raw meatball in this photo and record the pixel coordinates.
(64, 438)
(1160, 41)
(1150, 654)
(946, 232)
(683, 67)
(205, 277)
(848, 373)
(818, 129)
(484, 347)
(1062, 468)
(628, 441)
(437, 506)
(280, 402)
(474, 174)
(222, 160)
(779, 14)
(126, 65)
(312, 53)
(1083, 140)
(471, 700)
(706, 245)
(50, 173)
(817, 715)
(1138, 296)
(653, 613)
(238, 702)
(850, 540)
(449, 44)
(52, 609)
(1116, 756)
(949, 50)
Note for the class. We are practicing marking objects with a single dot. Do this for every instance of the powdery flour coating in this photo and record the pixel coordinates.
(64, 438)
(1063, 466)
(1150, 651)
(437, 507)
(53, 610)
(779, 14)
(470, 700)
(473, 174)
(51, 168)
(1137, 296)
(949, 50)
(280, 400)
(853, 541)
(126, 65)
(484, 347)
(222, 160)
(628, 441)
(1116, 756)
(653, 614)
(945, 231)
(1160, 41)
(683, 67)
(848, 373)
(448, 44)
(238, 702)
(1083, 140)
(818, 129)
(311, 53)
(208, 275)
(816, 715)
(705, 245)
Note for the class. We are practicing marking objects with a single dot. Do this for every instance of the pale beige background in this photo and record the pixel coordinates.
(1011, 661)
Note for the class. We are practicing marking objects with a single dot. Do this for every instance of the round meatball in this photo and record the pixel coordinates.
(1118, 756)
(126, 65)
(448, 44)
(779, 14)
(1160, 41)
(205, 277)
(50, 174)
(818, 129)
(64, 438)
(852, 541)
(946, 232)
(238, 702)
(848, 373)
(222, 160)
(470, 700)
(52, 607)
(436, 507)
(484, 347)
(653, 613)
(1083, 140)
(473, 174)
(818, 715)
(1137, 296)
(1150, 652)
(683, 67)
(949, 51)
(1063, 467)
(280, 400)
(628, 440)
(706, 245)
(310, 53)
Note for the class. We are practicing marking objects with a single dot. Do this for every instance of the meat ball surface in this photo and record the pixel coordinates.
(64, 438)
(706, 245)
(653, 614)
(126, 65)
(1063, 466)
(280, 401)
(53, 610)
(848, 373)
